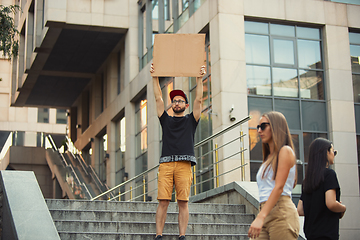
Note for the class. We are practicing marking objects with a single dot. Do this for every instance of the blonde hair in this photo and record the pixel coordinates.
(281, 137)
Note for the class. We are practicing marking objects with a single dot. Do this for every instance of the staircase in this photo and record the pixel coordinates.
(84, 220)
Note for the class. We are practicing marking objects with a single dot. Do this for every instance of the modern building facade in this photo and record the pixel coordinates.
(23, 129)
(297, 57)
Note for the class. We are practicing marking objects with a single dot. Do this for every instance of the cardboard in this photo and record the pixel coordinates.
(178, 55)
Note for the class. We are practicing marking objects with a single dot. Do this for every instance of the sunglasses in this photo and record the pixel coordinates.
(335, 152)
(262, 126)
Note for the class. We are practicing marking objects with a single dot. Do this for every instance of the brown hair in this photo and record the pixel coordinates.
(281, 137)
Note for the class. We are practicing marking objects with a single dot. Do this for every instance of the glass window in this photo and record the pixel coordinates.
(357, 118)
(102, 157)
(358, 148)
(140, 141)
(311, 84)
(354, 38)
(300, 173)
(291, 111)
(258, 80)
(314, 116)
(255, 145)
(356, 88)
(18, 138)
(292, 83)
(305, 32)
(347, 1)
(120, 150)
(355, 58)
(257, 49)
(296, 142)
(257, 107)
(309, 54)
(308, 138)
(43, 115)
(254, 168)
(141, 127)
(256, 27)
(61, 117)
(284, 52)
(285, 82)
(282, 30)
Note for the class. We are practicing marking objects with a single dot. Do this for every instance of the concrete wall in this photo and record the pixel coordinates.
(30, 159)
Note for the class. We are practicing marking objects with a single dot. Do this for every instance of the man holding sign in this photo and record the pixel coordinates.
(178, 154)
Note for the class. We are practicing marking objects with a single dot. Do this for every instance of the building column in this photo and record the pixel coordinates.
(131, 45)
(340, 106)
(227, 42)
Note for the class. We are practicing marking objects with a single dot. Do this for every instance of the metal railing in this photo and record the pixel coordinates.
(149, 177)
(77, 186)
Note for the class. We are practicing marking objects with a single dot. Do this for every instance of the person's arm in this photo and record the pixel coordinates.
(332, 204)
(199, 94)
(157, 93)
(286, 162)
(300, 208)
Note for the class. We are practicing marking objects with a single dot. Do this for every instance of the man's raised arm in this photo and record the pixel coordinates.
(199, 94)
(157, 94)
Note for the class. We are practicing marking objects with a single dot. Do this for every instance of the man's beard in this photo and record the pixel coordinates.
(181, 110)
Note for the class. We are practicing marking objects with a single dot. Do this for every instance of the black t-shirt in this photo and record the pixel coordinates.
(320, 222)
(178, 138)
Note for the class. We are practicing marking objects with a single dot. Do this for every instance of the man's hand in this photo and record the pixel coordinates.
(152, 69)
(202, 70)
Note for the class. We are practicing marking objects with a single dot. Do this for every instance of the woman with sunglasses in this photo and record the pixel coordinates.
(320, 198)
(276, 178)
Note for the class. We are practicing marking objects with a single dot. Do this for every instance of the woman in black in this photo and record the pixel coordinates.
(320, 198)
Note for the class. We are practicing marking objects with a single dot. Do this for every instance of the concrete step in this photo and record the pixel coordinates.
(97, 215)
(148, 227)
(140, 206)
(146, 236)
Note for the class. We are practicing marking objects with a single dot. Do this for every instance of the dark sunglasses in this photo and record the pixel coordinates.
(262, 126)
(335, 152)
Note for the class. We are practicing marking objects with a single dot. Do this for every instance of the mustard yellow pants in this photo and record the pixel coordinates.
(282, 221)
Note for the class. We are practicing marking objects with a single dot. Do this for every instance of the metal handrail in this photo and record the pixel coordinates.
(121, 184)
(206, 140)
(242, 121)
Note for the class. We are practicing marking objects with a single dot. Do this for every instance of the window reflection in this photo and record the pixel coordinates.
(256, 27)
(43, 115)
(311, 84)
(285, 82)
(141, 130)
(291, 111)
(355, 58)
(309, 33)
(257, 107)
(307, 139)
(255, 145)
(282, 30)
(295, 71)
(258, 80)
(257, 49)
(309, 54)
(357, 116)
(314, 116)
(254, 168)
(61, 117)
(284, 52)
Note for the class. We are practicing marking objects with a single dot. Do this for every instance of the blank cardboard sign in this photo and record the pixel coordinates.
(178, 55)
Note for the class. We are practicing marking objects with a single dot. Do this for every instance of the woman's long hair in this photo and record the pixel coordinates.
(281, 136)
(317, 163)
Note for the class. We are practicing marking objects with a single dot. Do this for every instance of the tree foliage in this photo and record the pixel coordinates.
(8, 43)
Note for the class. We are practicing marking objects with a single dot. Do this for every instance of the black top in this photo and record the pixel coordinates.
(320, 222)
(178, 138)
